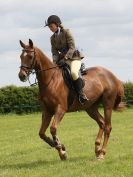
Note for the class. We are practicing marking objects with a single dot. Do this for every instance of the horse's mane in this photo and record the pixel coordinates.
(39, 52)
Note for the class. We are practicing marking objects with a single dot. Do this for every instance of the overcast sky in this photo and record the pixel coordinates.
(103, 29)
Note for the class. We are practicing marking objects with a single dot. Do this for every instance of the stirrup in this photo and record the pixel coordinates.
(83, 98)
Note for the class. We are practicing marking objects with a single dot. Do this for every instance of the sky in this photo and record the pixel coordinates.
(103, 30)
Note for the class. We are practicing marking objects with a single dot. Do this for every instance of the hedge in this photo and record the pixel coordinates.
(19, 99)
(128, 87)
(25, 99)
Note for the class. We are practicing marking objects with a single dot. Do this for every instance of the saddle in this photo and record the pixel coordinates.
(69, 81)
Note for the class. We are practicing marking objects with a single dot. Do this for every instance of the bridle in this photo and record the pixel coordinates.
(30, 69)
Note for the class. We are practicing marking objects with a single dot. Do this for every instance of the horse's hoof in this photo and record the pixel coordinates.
(98, 152)
(63, 155)
(100, 157)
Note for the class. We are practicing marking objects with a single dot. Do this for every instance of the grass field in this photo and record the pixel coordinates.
(23, 154)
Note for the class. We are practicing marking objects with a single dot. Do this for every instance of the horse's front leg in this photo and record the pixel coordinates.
(46, 118)
(53, 129)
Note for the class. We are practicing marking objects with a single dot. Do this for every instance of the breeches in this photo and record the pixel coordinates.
(74, 67)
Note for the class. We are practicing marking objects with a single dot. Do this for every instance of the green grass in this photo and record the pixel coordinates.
(24, 154)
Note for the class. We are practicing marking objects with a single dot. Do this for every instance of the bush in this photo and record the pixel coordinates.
(25, 99)
(19, 99)
(128, 87)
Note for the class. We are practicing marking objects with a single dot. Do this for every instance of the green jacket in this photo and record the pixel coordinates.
(63, 44)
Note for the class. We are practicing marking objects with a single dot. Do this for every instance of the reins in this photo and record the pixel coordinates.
(46, 69)
(37, 72)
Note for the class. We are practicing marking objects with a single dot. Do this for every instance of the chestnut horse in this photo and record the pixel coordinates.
(101, 86)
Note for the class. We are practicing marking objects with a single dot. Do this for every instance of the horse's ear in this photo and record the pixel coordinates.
(22, 44)
(30, 43)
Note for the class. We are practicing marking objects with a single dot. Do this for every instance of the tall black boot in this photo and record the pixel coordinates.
(79, 84)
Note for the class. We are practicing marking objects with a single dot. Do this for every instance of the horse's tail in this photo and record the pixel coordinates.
(119, 104)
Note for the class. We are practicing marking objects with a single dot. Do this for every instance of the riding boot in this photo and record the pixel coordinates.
(79, 84)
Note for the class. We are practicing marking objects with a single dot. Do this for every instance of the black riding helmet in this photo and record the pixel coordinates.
(53, 19)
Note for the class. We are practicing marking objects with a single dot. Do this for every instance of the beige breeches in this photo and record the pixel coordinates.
(74, 67)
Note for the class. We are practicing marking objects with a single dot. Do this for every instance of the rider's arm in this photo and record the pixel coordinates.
(70, 43)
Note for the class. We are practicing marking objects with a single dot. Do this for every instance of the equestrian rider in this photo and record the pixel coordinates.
(64, 50)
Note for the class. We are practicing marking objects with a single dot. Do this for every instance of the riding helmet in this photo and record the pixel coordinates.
(53, 19)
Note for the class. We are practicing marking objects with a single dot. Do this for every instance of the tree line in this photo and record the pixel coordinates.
(20, 100)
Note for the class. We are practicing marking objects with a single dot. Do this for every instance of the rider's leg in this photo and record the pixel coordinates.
(78, 82)
(75, 67)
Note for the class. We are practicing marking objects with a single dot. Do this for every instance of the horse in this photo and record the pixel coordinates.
(101, 87)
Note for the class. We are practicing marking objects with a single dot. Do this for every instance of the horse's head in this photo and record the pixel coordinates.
(27, 60)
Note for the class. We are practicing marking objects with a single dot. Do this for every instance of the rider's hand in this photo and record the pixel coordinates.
(65, 57)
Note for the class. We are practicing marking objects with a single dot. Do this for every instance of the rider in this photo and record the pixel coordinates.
(64, 50)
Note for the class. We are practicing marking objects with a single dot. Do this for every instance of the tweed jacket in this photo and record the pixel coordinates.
(63, 43)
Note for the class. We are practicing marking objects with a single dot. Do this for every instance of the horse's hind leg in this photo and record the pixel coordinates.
(93, 113)
(107, 130)
(108, 103)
